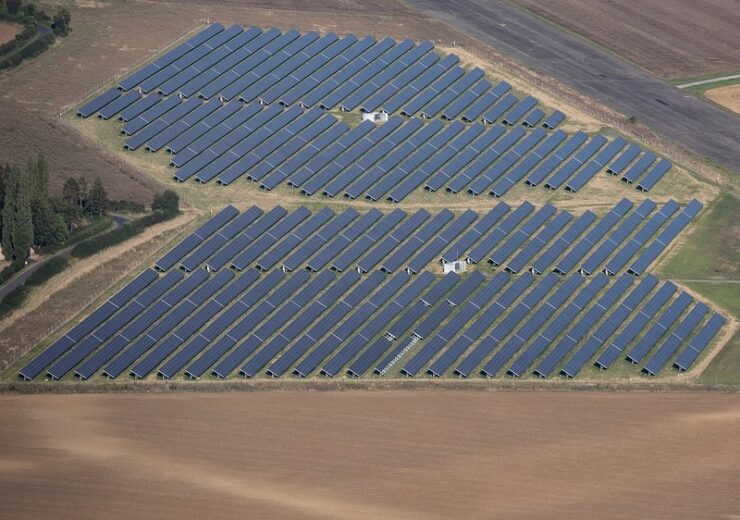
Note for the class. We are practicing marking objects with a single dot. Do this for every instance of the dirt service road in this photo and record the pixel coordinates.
(691, 123)
(404, 454)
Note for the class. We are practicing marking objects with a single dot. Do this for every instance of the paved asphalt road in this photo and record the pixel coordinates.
(20, 279)
(694, 124)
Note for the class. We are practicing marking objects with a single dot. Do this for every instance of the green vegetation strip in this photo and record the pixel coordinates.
(94, 245)
(17, 296)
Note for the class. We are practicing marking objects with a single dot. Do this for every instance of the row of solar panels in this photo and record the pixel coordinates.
(329, 323)
(516, 240)
(318, 154)
(327, 72)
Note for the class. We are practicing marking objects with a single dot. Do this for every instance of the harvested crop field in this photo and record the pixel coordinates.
(728, 97)
(684, 38)
(8, 31)
(404, 454)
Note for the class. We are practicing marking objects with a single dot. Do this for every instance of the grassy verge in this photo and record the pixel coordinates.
(93, 245)
(710, 251)
(699, 90)
(723, 369)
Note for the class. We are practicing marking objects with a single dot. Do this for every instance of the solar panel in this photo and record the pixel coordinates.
(464, 156)
(608, 327)
(640, 238)
(294, 239)
(474, 331)
(501, 106)
(412, 245)
(563, 242)
(449, 94)
(245, 238)
(563, 174)
(680, 334)
(516, 113)
(455, 108)
(480, 228)
(406, 167)
(470, 173)
(593, 237)
(493, 312)
(581, 328)
(367, 240)
(505, 162)
(664, 322)
(434, 90)
(539, 242)
(220, 238)
(637, 169)
(351, 324)
(557, 158)
(506, 249)
(617, 237)
(343, 240)
(342, 309)
(554, 119)
(376, 325)
(267, 240)
(502, 230)
(393, 240)
(563, 319)
(652, 177)
(177, 253)
(342, 49)
(635, 326)
(268, 328)
(529, 327)
(99, 102)
(298, 324)
(311, 246)
(699, 342)
(436, 246)
(621, 162)
(257, 312)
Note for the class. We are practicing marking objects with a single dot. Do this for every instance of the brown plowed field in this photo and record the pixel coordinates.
(405, 454)
(681, 38)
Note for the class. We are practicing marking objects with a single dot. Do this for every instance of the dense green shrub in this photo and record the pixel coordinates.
(115, 237)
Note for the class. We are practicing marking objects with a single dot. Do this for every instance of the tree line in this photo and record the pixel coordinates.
(39, 33)
(31, 218)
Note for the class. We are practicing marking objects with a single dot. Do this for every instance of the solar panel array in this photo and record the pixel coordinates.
(298, 292)
(231, 103)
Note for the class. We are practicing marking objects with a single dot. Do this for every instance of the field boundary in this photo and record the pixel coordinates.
(332, 385)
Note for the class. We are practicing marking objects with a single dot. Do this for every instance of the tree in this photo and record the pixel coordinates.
(82, 192)
(17, 236)
(11, 181)
(4, 172)
(22, 232)
(60, 23)
(69, 206)
(97, 203)
(167, 202)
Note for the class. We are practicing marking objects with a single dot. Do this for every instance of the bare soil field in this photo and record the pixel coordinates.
(675, 39)
(404, 454)
(728, 97)
(8, 31)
